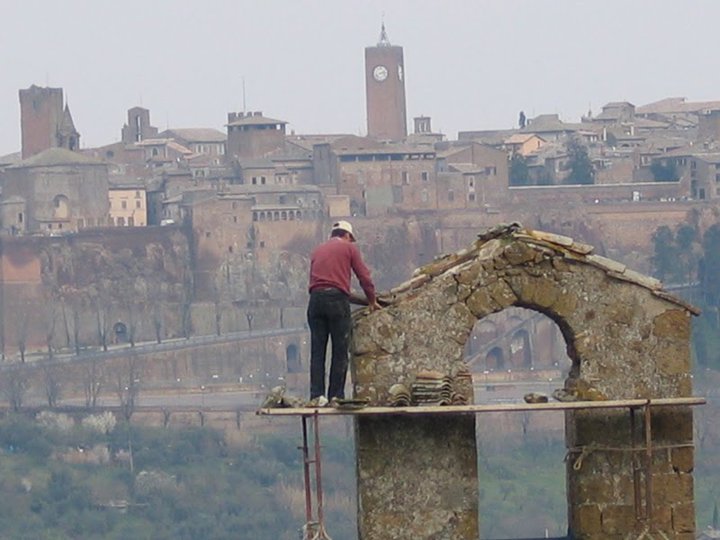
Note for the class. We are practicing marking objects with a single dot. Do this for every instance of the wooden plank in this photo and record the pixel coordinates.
(475, 409)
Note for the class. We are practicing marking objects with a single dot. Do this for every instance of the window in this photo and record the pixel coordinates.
(471, 197)
(207, 234)
(491, 171)
(471, 181)
(20, 217)
(234, 219)
(230, 249)
(451, 195)
(425, 176)
(262, 180)
(137, 194)
(138, 204)
(123, 204)
(131, 221)
(262, 243)
(121, 222)
(424, 195)
(254, 180)
(406, 178)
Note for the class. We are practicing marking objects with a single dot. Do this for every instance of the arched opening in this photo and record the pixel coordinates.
(61, 207)
(120, 331)
(494, 360)
(292, 357)
(511, 353)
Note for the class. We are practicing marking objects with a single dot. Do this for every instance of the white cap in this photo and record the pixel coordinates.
(343, 226)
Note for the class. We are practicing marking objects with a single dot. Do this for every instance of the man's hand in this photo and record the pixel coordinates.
(374, 305)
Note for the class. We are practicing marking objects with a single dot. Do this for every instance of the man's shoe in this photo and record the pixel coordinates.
(318, 402)
(334, 402)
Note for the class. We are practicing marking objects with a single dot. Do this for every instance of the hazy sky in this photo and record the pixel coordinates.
(469, 64)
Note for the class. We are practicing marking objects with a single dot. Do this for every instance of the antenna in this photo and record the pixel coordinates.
(243, 93)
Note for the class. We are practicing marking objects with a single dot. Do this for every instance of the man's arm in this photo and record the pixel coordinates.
(363, 275)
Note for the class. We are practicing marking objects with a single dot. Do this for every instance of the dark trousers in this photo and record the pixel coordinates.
(328, 315)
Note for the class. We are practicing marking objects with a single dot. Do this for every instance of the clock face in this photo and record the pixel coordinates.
(400, 72)
(380, 73)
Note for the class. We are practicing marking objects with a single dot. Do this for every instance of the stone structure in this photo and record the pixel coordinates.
(385, 90)
(138, 126)
(46, 121)
(252, 135)
(626, 337)
(54, 192)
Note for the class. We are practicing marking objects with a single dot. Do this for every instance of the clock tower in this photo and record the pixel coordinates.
(385, 90)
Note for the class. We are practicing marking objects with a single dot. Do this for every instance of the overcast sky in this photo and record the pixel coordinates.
(469, 64)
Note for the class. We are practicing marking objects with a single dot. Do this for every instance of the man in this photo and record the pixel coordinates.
(328, 310)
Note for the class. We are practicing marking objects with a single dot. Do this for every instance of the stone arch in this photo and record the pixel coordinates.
(520, 350)
(494, 360)
(625, 336)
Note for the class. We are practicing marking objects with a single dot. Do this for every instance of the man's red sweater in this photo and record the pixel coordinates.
(330, 265)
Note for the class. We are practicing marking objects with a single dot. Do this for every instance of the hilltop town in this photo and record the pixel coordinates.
(196, 231)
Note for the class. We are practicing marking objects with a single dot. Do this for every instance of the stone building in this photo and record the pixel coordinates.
(206, 141)
(46, 121)
(252, 135)
(54, 192)
(128, 204)
(138, 126)
(378, 177)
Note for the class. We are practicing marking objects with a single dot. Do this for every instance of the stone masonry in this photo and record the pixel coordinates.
(627, 338)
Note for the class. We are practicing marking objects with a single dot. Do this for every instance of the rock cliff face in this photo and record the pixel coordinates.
(626, 337)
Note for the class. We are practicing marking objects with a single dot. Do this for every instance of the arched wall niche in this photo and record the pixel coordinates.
(625, 336)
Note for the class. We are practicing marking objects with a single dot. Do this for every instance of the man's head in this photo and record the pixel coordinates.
(342, 229)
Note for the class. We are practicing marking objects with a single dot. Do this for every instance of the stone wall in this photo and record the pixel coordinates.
(626, 338)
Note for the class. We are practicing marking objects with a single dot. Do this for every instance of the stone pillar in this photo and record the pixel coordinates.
(607, 480)
(417, 477)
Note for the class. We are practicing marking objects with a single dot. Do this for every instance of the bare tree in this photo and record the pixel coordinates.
(131, 323)
(92, 379)
(102, 318)
(217, 301)
(187, 300)
(127, 385)
(50, 331)
(14, 387)
(157, 320)
(52, 380)
(76, 329)
(22, 332)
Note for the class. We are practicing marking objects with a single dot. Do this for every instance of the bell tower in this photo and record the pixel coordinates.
(385, 90)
